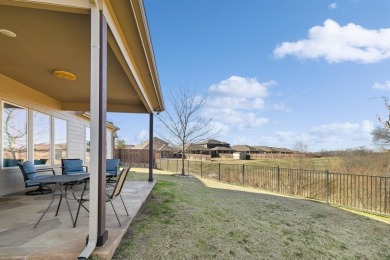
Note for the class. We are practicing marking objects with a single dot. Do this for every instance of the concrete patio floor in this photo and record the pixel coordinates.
(54, 237)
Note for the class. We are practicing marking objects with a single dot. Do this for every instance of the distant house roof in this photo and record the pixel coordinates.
(195, 147)
(221, 148)
(263, 149)
(158, 145)
(212, 141)
(244, 148)
(281, 150)
(285, 150)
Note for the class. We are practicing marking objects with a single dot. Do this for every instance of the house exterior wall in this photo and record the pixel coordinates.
(11, 179)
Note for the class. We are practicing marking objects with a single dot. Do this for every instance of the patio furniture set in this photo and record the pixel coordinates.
(74, 175)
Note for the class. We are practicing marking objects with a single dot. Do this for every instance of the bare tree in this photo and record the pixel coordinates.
(14, 133)
(120, 143)
(185, 122)
(381, 134)
(301, 150)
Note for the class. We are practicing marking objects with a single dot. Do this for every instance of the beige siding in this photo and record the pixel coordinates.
(109, 145)
(11, 180)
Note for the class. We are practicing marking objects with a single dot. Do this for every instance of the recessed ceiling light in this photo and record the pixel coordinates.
(8, 33)
(61, 74)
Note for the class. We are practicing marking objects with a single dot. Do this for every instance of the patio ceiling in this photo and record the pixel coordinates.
(52, 38)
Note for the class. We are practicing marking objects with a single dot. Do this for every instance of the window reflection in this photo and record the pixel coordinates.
(60, 140)
(41, 137)
(14, 135)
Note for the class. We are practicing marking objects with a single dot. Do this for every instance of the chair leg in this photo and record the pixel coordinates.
(124, 204)
(80, 201)
(115, 213)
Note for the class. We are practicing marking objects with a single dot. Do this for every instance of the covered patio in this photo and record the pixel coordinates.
(54, 237)
(60, 59)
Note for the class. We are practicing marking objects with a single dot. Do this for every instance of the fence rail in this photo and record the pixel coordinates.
(362, 192)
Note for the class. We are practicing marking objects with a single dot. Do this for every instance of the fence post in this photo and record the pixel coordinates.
(219, 171)
(327, 186)
(177, 166)
(188, 167)
(200, 169)
(168, 164)
(278, 178)
(243, 174)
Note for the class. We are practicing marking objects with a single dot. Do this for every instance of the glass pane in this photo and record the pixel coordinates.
(14, 135)
(41, 138)
(87, 144)
(60, 140)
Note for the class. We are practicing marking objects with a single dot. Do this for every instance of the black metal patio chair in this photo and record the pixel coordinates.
(31, 177)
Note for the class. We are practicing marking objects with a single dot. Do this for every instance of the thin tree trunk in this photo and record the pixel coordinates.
(182, 160)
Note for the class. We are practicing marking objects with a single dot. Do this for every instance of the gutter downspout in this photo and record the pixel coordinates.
(94, 180)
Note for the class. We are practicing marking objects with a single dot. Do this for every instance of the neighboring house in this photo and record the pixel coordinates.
(158, 145)
(281, 150)
(196, 149)
(212, 143)
(264, 149)
(246, 149)
(221, 150)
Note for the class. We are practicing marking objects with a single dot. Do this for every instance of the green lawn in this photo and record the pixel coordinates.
(184, 219)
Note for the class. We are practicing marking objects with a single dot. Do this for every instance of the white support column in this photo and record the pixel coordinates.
(94, 123)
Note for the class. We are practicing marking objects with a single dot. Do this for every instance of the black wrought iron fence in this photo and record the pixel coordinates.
(363, 192)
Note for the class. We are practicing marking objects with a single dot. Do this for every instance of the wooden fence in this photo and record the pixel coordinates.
(135, 157)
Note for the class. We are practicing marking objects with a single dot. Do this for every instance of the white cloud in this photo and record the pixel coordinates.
(332, 6)
(239, 93)
(241, 87)
(230, 100)
(347, 135)
(385, 85)
(236, 119)
(280, 107)
(336, 44)
(328, 136)
(238, 103)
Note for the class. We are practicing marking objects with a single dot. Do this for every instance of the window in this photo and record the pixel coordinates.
(14, 134)
(41, 138)
(60, 140)
(87, 144)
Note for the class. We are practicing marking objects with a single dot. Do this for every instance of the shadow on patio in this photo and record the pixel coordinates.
(54, 237)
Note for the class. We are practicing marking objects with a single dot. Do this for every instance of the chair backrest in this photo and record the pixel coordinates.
(72, 166)
(112, 165)
(119, 184)
(28, 170)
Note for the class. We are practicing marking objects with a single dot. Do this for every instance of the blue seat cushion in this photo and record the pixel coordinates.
(35, 181)
(73, 166)
(29, 170)
(112, 167)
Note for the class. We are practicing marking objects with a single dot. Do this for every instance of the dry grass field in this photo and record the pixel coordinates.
(185, 218)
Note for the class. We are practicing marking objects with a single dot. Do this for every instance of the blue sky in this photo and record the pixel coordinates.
(275, 72)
